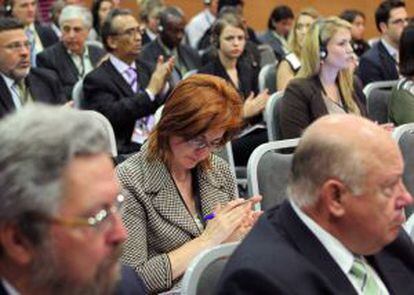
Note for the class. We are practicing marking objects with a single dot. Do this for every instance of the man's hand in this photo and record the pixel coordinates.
(160, 75)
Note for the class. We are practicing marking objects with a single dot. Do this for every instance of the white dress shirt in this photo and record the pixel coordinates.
(198, 26)
(11, 85)
(82, 63)
(393, 52)
(9, 288)
(341, 255)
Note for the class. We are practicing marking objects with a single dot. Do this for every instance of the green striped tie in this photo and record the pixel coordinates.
(365, 279)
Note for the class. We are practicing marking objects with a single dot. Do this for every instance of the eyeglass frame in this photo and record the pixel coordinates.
(96, 221)
(14, 46)
(399, 21)
(199, 143)
(130, 33)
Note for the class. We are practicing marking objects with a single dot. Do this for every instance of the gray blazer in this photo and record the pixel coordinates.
(156, 218)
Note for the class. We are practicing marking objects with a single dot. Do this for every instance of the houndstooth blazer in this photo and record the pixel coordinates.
(156, 218)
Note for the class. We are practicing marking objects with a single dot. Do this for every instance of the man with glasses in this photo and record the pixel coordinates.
(71, 59)
(380, 63)
(60, 226)
(124, 88)
(19, 83)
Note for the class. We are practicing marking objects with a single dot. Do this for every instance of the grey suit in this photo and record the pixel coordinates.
(157, 220)
(269, 38)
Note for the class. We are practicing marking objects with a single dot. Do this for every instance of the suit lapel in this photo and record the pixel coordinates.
(67, 63)
(387, 60)
(6, 99)
(313, 250)
(159, 183)
(94, 55)
(117, 78)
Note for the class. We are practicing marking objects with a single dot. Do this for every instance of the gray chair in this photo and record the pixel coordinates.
(77, 94)
(271, 116)
(268, 171)
(267, 78)
(267, 55)
(203, 273)
(226, 153)
(106, 127)
(404, 135)
(378, 96)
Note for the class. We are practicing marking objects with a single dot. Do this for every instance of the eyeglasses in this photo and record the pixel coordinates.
(200, 143)
(15, 46)
(132, 32)
(101, 221)
(399, 21)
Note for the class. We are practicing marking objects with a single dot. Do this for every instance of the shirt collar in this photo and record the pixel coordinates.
(341, 255)
(150, 34)
(84, 55)
(391, 50)
(209, 16)
(9, 81)
(120, 65)
(9, 288)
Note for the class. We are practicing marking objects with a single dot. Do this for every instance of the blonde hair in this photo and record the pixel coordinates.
(293, 43)
(320, 33)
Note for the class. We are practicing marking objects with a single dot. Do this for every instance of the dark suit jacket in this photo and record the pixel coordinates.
(248, 75)
(269, 38)
(377, 65)
(188, 56)
(282, 256)
(106, 91)
(46, 35)
(43, 84)
(302, 103)
(57, 59)
(130, 283)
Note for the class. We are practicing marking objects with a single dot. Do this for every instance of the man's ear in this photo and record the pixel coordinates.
(383, 27)
(15, 245)
(112, 43)
(333, 192)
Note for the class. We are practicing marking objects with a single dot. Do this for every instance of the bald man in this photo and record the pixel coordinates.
(339, 232)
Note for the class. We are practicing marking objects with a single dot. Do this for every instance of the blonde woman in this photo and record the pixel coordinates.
(289, 66)
(325, 84)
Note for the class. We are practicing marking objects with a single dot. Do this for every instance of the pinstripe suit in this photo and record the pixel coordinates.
(156, 218)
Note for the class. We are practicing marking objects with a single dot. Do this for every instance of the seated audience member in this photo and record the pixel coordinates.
(279, 25)
(149, 14)
(380, 63)
(201, 22)
(123, 88)
(100, 10)
(357, 19)
(289, 66)
(19, 83)
(55, 11)
(180, 197)
(40, 36)
(71, 59)
(325, 84)
(401, 109)
(340, 231)
(60, 227)
(229, 38)
(168, 44)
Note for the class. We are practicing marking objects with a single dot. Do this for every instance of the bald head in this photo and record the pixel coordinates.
(344, 147)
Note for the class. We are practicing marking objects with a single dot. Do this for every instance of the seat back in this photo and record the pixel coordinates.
(404, 135)
(378, 96)
(267, 55)
(271, 115)
(268, 170)
(203, 273)
(267, 77)
(106, 127)
(77, 94)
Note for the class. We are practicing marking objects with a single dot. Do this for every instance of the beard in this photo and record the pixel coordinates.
(47, 274)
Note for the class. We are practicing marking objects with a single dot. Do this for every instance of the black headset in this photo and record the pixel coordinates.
(8, 7)
(323, 51)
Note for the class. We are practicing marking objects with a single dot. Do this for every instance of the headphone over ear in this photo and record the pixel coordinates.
(160, 28)
(207, 2)
(8, 7)
(323, 51)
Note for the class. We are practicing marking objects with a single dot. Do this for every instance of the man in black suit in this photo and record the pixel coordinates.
(71, 59)
(19, 83)
(168, 44)
(123, 88)
(60, 226)
(340, 231)
(40, 36)
(380, 63)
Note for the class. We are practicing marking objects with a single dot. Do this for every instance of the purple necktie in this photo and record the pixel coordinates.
(132, 78)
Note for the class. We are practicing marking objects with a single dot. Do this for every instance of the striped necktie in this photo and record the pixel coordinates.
(364, 278)
(132, 78)
(31, 37)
